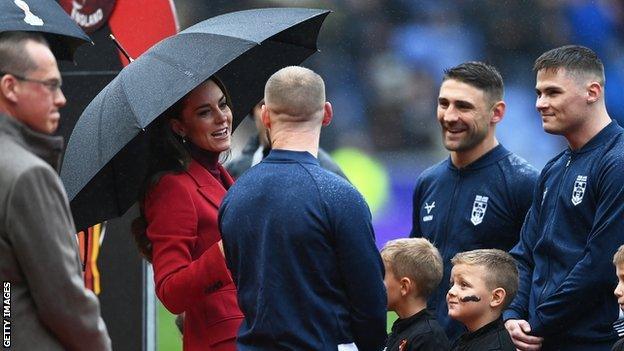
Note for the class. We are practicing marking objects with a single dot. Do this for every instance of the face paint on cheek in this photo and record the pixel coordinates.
(470, 298)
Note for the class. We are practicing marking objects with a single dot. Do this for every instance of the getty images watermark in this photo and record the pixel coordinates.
(6, 314)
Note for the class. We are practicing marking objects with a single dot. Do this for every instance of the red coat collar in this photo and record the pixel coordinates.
(212, 189)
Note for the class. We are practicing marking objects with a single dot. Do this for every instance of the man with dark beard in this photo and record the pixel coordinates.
(479, 196)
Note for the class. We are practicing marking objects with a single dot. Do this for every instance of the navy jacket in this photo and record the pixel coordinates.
(574, 226)
(300, 245)
(482, 205)
(420, 332)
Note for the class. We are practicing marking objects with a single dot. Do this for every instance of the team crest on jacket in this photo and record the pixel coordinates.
(428, 207)
(579, 189)
(478, 209)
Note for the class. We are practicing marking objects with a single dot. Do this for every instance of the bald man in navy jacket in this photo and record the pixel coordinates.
(298, 239)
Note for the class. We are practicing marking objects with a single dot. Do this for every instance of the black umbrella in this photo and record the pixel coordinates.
(105, 162)
(47, 17)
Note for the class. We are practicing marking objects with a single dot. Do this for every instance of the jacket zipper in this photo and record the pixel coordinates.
(547, 231)
(451, 212)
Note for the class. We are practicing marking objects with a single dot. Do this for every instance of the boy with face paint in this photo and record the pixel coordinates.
(483, 282)
(413, 271)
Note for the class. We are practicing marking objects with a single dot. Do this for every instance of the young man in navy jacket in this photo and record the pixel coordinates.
(479, 196)
(575, 223)
(298, 239)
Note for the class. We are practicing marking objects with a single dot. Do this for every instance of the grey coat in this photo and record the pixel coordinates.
(45, 304)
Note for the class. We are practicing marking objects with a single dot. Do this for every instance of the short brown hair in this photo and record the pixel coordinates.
(297, 92)
(618, 258)
(14, 58)
(479, 75)
(416, 259)
(502, 269)
(575, 59)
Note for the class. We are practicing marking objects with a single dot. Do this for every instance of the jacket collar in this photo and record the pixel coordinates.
(401, 324)
(289, 156)
(490, 157)
(489, 328)
(47, 147)
(605, 135)
(211, 188)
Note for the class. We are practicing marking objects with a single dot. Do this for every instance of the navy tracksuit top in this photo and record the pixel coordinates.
(300, 245)
(574, 226)
(482, 205)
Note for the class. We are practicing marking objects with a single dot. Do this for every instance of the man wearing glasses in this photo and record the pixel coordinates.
(45, 305)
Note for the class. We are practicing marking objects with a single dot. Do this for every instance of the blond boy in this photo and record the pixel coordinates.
(483, 283)
(413, 271)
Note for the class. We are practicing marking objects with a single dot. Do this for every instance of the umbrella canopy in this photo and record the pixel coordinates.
(105, 162)
(47, 17)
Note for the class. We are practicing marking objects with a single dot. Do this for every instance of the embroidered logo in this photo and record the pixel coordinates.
(579, 189)
(428, 207)
(29, 17)
(478, 209)
(403, 345)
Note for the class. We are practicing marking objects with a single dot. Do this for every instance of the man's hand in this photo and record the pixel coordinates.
(519, 330)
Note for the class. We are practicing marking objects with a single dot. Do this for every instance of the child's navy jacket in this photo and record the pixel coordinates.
(482, 205)
(574, 226)
(299, 242)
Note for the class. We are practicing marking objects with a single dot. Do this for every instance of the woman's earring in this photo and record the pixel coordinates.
(183, 137)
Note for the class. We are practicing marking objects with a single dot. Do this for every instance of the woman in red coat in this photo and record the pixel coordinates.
(179, 213)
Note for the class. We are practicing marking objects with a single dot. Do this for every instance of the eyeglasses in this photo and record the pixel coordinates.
(53, 85)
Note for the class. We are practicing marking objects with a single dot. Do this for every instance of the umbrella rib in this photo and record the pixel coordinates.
(186, 72)
(314, 48)
(135, 113)
(184, 33)
(100, 115)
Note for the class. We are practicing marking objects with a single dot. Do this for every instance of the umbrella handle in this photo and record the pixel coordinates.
(123, 51)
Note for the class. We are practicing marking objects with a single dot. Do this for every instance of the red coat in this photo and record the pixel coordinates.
(189, 269)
